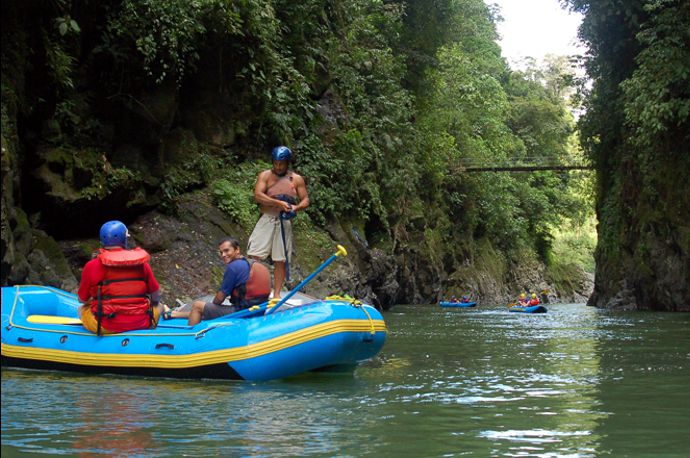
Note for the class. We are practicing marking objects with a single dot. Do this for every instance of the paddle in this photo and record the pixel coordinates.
(341, 252)
(52, 319)
(287, 256)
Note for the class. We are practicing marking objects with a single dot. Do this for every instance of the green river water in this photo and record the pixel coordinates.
(449, 382)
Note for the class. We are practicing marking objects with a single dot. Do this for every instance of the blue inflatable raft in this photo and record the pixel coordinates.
(41, 329)
(457, 304)
(530, 309)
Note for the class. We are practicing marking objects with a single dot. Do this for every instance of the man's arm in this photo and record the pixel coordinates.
(152, 286)
(226, 286)
(219, 297)
(87, 274)
(302, 194)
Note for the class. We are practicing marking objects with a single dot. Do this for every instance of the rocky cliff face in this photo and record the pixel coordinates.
(643, 258)
(185, 261)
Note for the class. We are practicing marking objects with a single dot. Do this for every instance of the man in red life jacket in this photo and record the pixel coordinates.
(280, 193)
(534, 300)
(118, 288)
(245, 282)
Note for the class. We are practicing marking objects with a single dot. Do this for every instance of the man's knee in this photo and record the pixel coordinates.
(198, 306)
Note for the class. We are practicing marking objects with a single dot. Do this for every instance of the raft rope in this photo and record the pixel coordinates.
(355, 303)
(346, 298)
(17, 295)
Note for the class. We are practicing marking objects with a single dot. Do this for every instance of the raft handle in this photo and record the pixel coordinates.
(165, 345)
(25, 340)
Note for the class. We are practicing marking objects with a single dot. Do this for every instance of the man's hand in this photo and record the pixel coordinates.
(284, 206)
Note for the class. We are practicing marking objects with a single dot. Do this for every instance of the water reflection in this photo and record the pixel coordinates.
(573, 382)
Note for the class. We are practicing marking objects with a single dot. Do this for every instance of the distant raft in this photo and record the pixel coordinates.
(528, 309)
(457, 304)
(41, 330)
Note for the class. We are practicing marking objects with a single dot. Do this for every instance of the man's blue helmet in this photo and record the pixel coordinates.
(281, 153)
(114, 233)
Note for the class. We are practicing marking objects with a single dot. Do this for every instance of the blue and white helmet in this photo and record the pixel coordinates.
(281, 153)
(114, 233)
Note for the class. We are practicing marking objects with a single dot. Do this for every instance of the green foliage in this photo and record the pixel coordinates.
(60, 63)
(112, 180)
(575, 242)
(636, 131)
(374, 126)
(657, 95)
(236, 201)
(280, 90)
(234, 193)
(192, 174)
(314, 244)
(88, 174)
(383, 103)
(565, 275)
(67, 25)
(165, 33)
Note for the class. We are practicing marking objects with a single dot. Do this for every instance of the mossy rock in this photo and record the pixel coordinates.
(48, 263)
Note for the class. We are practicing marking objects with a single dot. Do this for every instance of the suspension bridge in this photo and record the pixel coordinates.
(523, 164)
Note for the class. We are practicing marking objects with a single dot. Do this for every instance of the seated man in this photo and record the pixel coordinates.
(534, 300)
(522, 301)
(117, 287)
(246, 282)
(465, 299)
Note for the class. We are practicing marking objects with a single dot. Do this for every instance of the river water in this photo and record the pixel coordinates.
(450, 382)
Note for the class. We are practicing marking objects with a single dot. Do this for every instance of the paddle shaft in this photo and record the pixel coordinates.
(340, 251)
(285, 248)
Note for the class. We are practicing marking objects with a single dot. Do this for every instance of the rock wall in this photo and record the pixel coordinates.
(643, 256)
(185, 261)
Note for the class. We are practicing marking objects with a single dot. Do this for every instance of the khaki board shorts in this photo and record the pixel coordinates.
(266, 239)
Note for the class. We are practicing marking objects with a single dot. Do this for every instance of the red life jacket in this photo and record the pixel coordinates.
(256, 290)
(123, 290)
(534, 301)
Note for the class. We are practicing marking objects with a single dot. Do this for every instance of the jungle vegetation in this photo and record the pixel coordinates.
(129, 104)
(636, 132)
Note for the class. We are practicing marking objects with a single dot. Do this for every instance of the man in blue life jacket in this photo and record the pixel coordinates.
(280, 193)
(245, 283)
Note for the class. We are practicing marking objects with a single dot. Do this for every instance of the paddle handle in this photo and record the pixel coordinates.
(341, 252)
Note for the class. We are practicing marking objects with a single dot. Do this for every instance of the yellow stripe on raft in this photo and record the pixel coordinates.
(161, 361)
(51, 319)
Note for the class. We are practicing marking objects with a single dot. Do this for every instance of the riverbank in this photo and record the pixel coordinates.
(184, 258)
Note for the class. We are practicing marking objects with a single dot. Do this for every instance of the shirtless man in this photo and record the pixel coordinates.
(280, 193)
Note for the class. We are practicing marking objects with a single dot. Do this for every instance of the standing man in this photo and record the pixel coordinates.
(118, 288)
(245, 283)
(280, 193)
